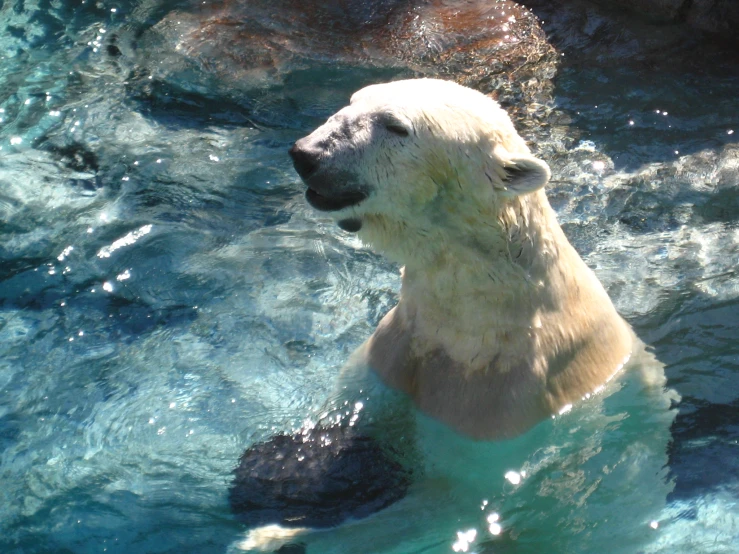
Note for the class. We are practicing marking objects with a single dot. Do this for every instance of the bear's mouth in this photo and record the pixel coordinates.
(333, 203)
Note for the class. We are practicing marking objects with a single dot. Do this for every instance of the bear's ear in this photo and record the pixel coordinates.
(525, 174)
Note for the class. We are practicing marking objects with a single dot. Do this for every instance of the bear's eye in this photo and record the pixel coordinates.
(397, 129)
(394, 125)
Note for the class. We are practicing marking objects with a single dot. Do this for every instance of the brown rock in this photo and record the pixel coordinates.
(491, 46)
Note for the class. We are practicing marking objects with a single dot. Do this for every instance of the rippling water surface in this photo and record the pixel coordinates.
(167, 298)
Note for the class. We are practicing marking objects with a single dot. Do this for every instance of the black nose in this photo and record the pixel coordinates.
(305, 162)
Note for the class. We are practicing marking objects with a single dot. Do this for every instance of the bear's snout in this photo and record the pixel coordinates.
(329, 190)
(305, 161)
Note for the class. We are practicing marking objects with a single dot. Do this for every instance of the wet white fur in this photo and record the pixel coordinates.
(496, 307)
(499, 323)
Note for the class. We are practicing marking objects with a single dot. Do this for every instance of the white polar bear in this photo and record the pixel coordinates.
(500, 323)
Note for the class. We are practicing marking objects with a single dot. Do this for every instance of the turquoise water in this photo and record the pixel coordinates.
(167, 298)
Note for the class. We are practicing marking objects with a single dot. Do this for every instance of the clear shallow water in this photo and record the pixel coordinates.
(167, 298)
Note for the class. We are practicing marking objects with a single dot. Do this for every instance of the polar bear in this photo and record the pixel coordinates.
(499, 323)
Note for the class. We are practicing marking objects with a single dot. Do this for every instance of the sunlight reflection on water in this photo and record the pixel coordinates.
(168, 298)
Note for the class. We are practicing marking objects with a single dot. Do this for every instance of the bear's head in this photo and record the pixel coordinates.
(419, 159)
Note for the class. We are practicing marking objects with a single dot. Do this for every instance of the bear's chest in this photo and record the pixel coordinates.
(493, 402)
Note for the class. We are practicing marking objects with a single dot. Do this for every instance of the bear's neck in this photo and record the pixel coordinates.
(507, 319)
(500, 264)
(504, 288)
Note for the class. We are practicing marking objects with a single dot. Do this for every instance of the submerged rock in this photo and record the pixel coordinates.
(238, 45)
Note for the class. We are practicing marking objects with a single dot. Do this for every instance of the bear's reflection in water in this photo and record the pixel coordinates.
(316, 478)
